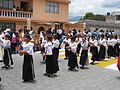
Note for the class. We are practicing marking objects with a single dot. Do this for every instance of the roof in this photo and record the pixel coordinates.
(62, 1)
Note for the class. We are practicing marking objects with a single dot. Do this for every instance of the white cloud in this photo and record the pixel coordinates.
(80, 7)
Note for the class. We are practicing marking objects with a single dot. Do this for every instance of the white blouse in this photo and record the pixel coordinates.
(48, 48)
(6, 43)
(73, 47)
(56, 43)
(112, 42)
(68, 41)
(95, 42)
(28, 47)
(84, 45)
(79, 40)
(103, 42)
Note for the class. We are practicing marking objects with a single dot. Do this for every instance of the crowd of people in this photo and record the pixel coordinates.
(76, 44)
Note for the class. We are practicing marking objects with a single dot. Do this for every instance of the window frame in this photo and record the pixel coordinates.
(52, 7)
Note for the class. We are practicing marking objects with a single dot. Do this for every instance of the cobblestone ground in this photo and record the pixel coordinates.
(94, 78)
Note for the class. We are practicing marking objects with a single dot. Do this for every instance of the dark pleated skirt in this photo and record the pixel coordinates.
(13, 47)
(56, 53)
(102, 52)
(66, 51)
(72, 62)
(78, 48)
(91, 49)
(95, 55)
(116, 50)
(83, 57)
(28, 68)
(110, 51)
(51, 64)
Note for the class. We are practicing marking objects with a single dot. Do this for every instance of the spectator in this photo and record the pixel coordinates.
(14, 8)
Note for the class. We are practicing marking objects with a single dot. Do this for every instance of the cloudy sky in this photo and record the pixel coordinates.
(80, 7)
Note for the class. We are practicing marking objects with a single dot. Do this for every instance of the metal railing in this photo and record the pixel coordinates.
(12, 13)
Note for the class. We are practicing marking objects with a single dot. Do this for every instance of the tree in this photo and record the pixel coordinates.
(92, 16)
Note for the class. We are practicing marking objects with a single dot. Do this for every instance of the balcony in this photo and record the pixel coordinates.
(15, 14)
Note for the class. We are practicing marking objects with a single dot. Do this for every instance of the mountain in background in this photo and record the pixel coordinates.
(75, 18)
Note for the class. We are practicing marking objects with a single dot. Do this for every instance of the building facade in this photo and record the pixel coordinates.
(114, 17)
(31, 14)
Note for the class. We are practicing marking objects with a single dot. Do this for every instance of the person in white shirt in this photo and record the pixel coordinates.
(116, 46)
(102, 43)
(66, 41)
(84, 53)
(5, 43)
(94, 50)
(56, 44)
(28, 66)
(51, 64)
(1, 47)
(72, 62)
(78, 40)
(110, 44)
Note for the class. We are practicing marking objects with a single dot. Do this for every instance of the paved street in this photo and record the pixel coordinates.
(94, 78)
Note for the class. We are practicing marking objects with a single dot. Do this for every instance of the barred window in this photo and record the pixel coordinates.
(52, 7)
(7, 4)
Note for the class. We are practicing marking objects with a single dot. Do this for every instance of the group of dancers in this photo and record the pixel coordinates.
(50, 45)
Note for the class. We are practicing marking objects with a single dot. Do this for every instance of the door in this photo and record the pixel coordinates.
(24, 6)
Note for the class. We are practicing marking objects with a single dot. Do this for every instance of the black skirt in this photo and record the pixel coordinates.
(110, 51)
(7, 56)
(95, 55)
(78, 48)
(116, 50)
(51, 64)
(56, 53)
(66, 51)
(102, 52)
(72, 62)
(83, 57)
(28, 68)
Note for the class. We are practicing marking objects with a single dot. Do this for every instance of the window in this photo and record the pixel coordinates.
(52, 7)
(117, 17)
(3, 26)
(7, 4)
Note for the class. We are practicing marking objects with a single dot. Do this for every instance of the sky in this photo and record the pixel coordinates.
(80, 7)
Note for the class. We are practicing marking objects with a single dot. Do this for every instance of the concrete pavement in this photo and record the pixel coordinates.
(94, 78)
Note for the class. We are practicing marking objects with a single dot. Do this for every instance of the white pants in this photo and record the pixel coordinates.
(1, 53)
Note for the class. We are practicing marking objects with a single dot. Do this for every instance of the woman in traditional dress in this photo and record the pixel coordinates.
(66, 41)
(7, 53)
(28, 66)
(110, 50)
(102, 44)
(84, 53)
(56, 44)
(72, 62)
(78, 40)
(51, 64)
(93, 44)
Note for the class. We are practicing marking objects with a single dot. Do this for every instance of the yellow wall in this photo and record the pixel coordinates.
(40, 14)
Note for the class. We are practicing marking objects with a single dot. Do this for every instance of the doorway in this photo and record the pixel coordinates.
(24, 6)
